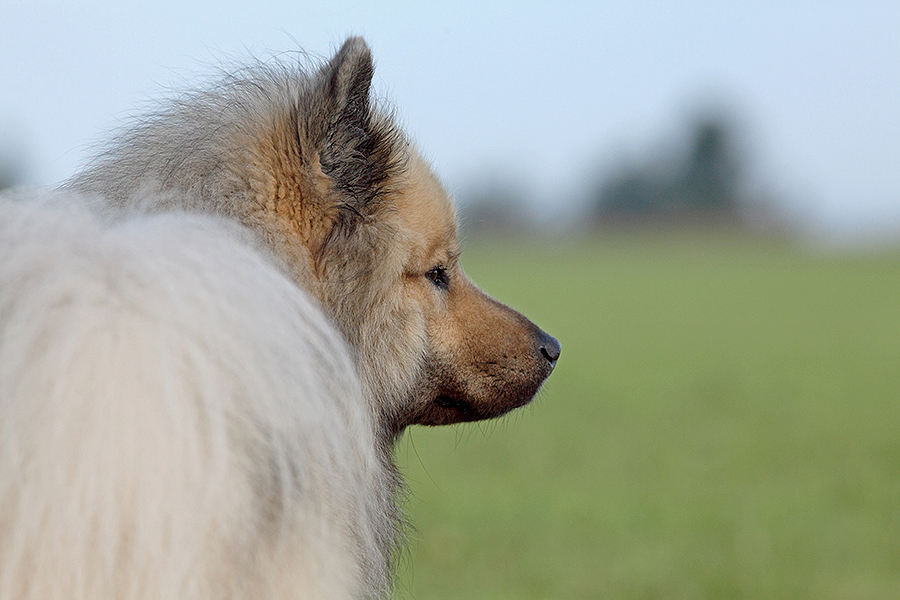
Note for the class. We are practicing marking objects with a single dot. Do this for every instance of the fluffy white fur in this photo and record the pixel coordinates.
(177, 419)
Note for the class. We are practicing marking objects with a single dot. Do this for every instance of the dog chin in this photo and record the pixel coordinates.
(448, 409)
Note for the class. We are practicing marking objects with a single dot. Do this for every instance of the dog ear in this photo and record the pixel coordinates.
(358, 149)
(344, 85)
(349, 79)
(354, 147)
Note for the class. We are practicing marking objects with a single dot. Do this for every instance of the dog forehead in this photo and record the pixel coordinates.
(426, 214)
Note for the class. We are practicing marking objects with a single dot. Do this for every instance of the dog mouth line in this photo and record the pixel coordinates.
(466, 411)
(460, 406)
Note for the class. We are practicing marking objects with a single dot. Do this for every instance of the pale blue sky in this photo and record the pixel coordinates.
(541, 93)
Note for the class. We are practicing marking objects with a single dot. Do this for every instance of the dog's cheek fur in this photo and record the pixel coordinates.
(364, 293)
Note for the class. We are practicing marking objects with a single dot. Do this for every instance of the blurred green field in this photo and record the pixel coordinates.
(724, 422)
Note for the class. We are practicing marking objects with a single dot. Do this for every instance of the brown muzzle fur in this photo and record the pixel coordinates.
(486, 359)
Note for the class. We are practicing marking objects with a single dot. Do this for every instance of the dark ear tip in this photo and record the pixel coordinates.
(355, 50)
(349, 73)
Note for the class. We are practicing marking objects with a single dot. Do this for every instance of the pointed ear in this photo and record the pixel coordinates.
(345, 129)
(346, 81)
(358, 148)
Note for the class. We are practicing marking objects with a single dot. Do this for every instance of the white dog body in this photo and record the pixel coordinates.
(177, 419)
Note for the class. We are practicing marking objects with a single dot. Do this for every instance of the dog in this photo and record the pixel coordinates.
(337, 202)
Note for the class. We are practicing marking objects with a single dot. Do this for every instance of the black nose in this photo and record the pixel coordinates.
(549, 347)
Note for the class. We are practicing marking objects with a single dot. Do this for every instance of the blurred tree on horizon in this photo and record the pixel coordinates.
(13, 161)
(700, 181)
(9, 176)
(703, 175)
(496, 204)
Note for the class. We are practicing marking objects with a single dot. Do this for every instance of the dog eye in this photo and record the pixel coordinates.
(439, 277)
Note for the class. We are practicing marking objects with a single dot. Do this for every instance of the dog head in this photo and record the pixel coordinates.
(380, 251)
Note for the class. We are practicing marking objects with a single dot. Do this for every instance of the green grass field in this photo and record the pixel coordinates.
(724, 423)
